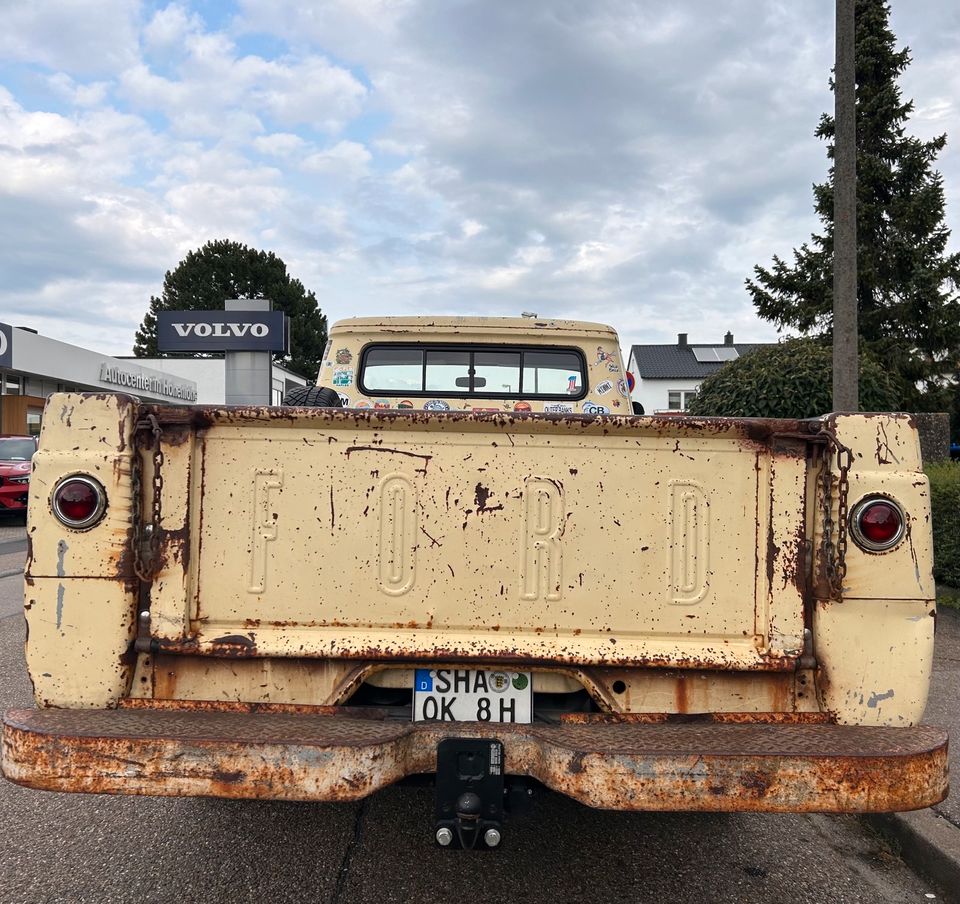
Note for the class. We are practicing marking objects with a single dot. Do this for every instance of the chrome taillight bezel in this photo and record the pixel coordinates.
(856, 520)
(95, 516)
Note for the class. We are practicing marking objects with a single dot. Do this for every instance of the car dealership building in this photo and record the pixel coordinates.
(34, 366)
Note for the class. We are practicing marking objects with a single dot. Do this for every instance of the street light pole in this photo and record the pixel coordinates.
(845, 364)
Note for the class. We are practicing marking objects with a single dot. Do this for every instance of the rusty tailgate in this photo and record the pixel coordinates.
(573, 539)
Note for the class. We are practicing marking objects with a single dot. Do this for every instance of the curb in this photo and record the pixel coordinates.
(928, 843)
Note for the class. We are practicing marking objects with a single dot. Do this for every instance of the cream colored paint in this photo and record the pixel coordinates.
(597, 541)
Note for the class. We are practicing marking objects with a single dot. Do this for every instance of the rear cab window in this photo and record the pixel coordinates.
(473, 372)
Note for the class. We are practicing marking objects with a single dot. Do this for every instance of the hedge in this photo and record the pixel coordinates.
(793, 378)
(945, 506)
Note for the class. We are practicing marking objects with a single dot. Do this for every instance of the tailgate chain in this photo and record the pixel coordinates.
(833, 554)
(146, 565)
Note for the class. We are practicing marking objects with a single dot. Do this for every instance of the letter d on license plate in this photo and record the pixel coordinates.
(472, 695)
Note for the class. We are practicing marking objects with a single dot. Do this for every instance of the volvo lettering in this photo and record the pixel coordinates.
(222, 329)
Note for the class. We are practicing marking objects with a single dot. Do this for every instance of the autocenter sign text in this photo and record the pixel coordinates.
(137, 380)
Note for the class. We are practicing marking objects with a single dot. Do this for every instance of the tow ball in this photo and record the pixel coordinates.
(469, 793)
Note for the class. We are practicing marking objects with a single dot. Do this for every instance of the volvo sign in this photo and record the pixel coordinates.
(222, 331)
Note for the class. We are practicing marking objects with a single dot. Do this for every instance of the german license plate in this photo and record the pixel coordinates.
(472, 695)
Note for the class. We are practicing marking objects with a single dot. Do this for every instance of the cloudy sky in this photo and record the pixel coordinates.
(626, 161)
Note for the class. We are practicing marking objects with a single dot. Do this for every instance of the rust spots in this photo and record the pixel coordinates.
(614, 718)
(234, 645)
(433, 540)
(772, 718)
(232, 706)
(425, 458)
(885, 455)
(755, 782)
(173, 548)
(482, 496)
(342, 756)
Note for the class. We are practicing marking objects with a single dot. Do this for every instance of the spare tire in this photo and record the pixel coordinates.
(313, 397)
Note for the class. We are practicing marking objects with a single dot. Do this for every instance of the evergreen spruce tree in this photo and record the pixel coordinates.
(909, 311)
(219, 270)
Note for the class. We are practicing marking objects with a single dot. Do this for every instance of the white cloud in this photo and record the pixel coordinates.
(279, 144)
(80, 38)
(169, 28)
(92, 94)
(345, 158)
(213, 84)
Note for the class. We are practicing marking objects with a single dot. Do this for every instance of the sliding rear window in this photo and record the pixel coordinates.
(508, 372)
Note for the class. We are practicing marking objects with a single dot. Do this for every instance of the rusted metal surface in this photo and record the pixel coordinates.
(256, 680)
(692, 690)
(770, 768)
(739, 718)
(225, 706)
(166, 676)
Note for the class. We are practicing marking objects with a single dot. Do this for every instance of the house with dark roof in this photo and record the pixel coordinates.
(668, 376)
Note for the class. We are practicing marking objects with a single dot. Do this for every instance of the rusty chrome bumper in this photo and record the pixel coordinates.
(626, 766)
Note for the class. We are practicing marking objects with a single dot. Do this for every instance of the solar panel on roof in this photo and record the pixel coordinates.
(713, 354)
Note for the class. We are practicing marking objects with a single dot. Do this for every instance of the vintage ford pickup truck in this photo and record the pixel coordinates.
(475, 562)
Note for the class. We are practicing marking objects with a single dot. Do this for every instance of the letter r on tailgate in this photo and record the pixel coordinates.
(540, 563)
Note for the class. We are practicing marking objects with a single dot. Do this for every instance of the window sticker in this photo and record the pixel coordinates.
(589, 407)
(604, 357)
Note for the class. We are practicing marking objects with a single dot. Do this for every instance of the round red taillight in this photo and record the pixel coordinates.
(877, 524)
(79, 501)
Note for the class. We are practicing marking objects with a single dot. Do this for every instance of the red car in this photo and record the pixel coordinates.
(15, 455)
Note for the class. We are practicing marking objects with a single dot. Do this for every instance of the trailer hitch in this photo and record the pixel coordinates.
(469, 793)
